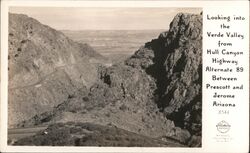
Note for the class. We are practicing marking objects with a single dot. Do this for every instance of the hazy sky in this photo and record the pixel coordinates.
(103, 18)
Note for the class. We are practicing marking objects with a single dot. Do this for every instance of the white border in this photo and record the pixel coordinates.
(4, 77)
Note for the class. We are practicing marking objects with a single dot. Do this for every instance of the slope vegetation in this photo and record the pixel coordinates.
(45, 67)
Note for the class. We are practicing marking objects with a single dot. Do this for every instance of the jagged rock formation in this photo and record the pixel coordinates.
(156, 92)
(181, 100)
(45, 67)
(179, 84)
(174, 60)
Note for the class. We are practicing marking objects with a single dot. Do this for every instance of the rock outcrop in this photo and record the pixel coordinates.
(156, 92)
(45, 67)
(180, 97)
(174, 60)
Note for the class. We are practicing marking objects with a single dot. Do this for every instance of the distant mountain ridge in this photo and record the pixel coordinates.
(45, 67)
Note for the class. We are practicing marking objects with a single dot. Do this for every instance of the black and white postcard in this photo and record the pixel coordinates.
(124, 76)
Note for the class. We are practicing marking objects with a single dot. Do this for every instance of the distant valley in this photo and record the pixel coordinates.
(116, 45)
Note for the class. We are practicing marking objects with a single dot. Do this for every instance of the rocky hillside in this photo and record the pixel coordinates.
(45, 67)
(89, 134)
(156, 92)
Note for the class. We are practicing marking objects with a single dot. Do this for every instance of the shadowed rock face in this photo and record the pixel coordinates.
(156, 92)
(45, 67)
(181, 100)
(174, 60)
